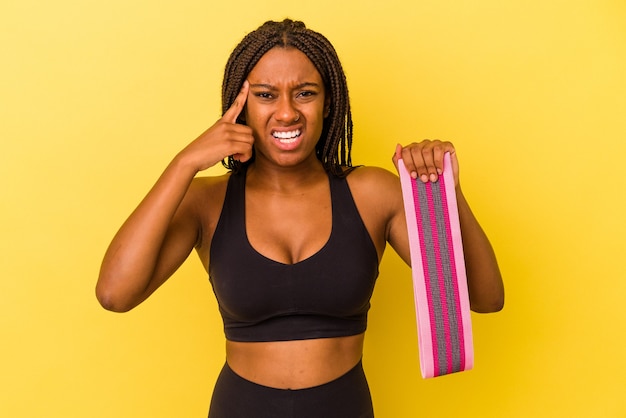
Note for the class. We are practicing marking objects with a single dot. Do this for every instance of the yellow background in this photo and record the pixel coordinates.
(97, 96)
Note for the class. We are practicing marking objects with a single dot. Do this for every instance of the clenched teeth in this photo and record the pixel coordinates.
(287, 135)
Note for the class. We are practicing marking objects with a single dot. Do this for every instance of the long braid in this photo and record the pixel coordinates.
(335, 144)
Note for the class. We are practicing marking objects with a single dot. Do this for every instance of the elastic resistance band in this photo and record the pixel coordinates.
(438, 271)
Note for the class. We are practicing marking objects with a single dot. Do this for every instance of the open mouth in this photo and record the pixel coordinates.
(287, 137)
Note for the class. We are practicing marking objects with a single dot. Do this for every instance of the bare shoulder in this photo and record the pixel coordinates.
(205, 198)
(203, 187)
(207, 193)
(378, 197)
(374, 180)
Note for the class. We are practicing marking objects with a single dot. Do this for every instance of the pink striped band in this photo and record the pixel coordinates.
(438, 271)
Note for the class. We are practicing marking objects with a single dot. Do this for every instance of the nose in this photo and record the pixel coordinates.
(285, 111)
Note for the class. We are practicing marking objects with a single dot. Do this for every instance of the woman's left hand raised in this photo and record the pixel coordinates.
(424, 160)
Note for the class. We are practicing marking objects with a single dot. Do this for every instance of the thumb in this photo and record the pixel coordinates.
(397, 155)
(454, 163)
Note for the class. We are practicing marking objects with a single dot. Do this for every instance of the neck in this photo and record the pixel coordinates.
(285, 179)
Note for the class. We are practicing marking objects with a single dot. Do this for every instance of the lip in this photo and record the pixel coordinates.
(287, 139)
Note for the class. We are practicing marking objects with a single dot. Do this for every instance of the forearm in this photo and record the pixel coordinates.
(425, 161)
(132, 259)
(485, 285)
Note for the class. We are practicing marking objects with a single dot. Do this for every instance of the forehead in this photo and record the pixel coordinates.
(284, 65)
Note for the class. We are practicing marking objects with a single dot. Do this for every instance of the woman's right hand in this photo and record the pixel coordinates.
(225, 138)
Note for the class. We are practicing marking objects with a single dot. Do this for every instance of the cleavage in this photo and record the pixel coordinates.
(289, 229)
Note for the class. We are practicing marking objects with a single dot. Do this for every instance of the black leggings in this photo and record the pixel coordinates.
(345, 397)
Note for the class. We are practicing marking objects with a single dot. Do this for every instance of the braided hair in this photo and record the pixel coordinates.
(335, 143)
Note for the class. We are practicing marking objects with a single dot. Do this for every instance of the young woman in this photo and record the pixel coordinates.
(291, 237)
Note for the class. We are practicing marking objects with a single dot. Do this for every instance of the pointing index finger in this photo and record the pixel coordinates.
(240, 101)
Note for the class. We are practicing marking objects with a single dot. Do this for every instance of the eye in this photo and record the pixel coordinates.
(306, 95)
(264, 95)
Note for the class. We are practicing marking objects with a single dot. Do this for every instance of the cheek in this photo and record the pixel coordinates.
(320, 118)
(246, 114)
(252, 116)
(256, 121)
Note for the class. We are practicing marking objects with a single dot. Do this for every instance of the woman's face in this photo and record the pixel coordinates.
(286, 107)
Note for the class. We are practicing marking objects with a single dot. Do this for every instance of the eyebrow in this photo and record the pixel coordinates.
(271, 87)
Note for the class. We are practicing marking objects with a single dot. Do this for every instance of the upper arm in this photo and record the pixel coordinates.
(397, 234)
(192, 226)
(181, 237)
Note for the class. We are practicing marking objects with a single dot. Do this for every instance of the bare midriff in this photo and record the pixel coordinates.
(294, 364)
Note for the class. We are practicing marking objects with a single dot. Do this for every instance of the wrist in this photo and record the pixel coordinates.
(183, 166)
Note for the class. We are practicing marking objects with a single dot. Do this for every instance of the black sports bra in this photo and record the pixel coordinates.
(326, 295)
